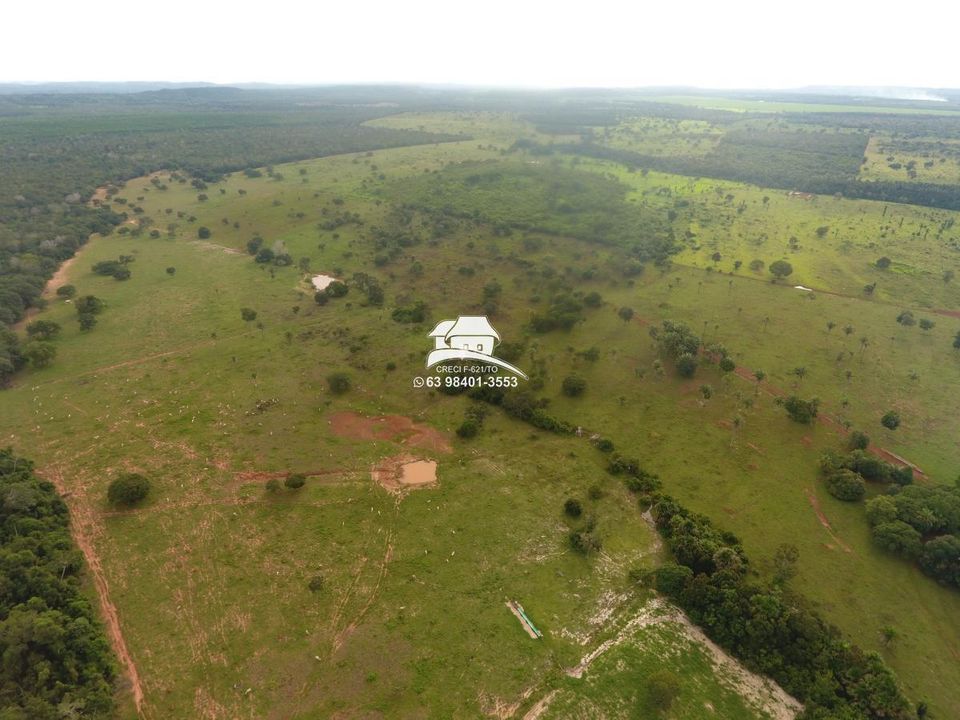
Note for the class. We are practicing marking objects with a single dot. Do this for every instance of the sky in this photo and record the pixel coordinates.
(631, 43)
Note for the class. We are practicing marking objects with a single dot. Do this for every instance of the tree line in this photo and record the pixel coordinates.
(55, 661)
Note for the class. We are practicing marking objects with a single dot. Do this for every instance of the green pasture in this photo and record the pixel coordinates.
(210, 576)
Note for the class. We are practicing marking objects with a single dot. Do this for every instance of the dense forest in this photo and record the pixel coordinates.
(54, 657)
(767, 626)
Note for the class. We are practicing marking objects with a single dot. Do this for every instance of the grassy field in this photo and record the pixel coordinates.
(211, 576)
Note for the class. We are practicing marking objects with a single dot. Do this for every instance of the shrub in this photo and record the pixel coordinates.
(89, 304)
(687, 365)
(890, 420)
(780, 269)
(295, 481)
(468, 428)
(880, 510)
(87, 321)
(573, 508)
(672, 578)
(898, 537)
(846, 485)
(66, 291)
(316, 583)
(858, 440)
(203, 233)
(43, 330)
(801, 411)
(338, 382)
(273, 485)
(662, 688)
(128, 489)
(573, 386)
(336, 289)
(585, 542)
(248, 314)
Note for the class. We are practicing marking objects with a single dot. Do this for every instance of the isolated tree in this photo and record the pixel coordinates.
(890, 420)
(727, 364)
(848, 330)
(66, 291)
(171, 271)
(316, 583)
(39, 353)
(573, 386)
(295, 481)
(926, 324)
(883, 263)
(43, 330)
(87, 321)
(468, 429)
(128, 489)
(573, 508)
(625, 313)
(706, 392)
(248, 314)
(801, 411)
(338, 383)
(663, 687)
(905, 318)
(780, 269)
(822, 231)
(785, 562)
(203, 232)
(254, 244)
(89, 304)
(858, 440)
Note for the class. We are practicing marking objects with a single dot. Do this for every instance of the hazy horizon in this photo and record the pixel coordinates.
(532, 45)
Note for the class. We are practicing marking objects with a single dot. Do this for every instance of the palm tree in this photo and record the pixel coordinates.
(800, 372)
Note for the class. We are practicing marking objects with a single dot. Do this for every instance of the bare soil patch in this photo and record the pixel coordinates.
(396, 428)
(815, 504)
(404, 472)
